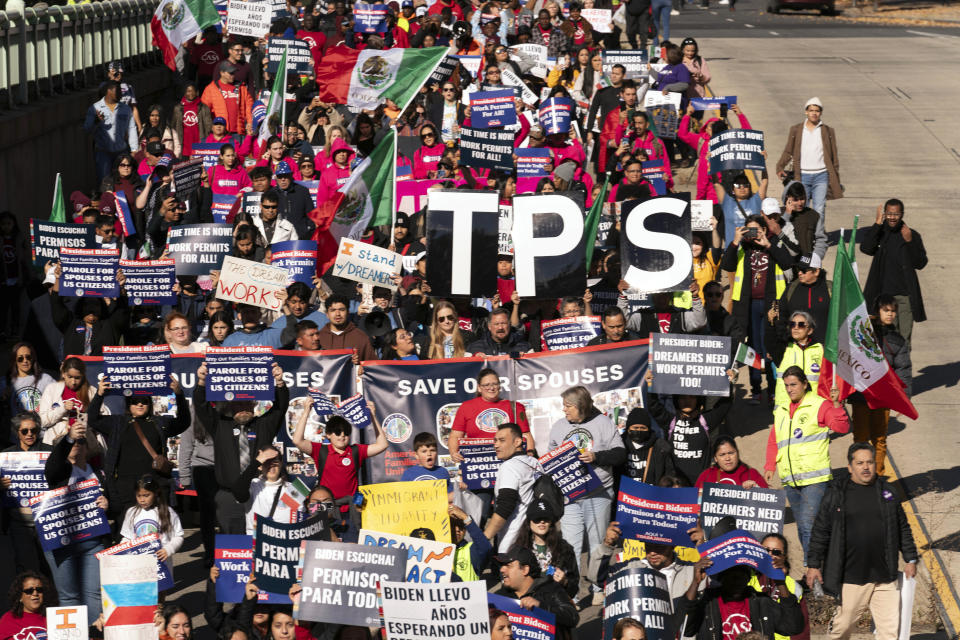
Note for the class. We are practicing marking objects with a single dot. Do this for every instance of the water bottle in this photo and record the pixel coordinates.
(817, 589)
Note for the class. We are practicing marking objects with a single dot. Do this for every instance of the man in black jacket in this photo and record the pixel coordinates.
(295, 201)
(522, 580)
(237, 437)
(859, 533)
(94, 322)
(614, 325)
(810, 292)
(500, 339)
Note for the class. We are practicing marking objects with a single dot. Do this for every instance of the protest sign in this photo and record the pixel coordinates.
(494, 108)
(186, 177)
(574, 478)
(128, 590)
(532, 162)
(511, 79)
(401, 507)
(599, 19)
(471, 64)
(655, 243)
(658, 98)
(370, 18)
(555, 115)
(655, 173)
(366, 263)
(253, 283)
(443, 71)
(221, 205)
(69, 514)
(24, 469)
(298, 257)
(146, 544)
(656, 514)
(759, 511)
(299, 58)
(150, 281)
(642, 594)
(47, 238)
(124, 216)
(701, 213)
(199, 248)
(248, 18)
(569, 333)
(340, 582)
(356, 412)
(505, 231)
(535, 52)
(428, 561)
(66, 623)
(690, 364)
(609, 218)
(276, 554)
(239, 373)
(737, 149)
(713, 102)
(250, 204)
(526, 624)
(480, 463)
(490, 148)
(634, 61)
(443, 612)
(634, 549)
(322, 405)
(89, 272)
(735, 549)
(549, 244)
(462, 231)
(138, 370)
(664, 118)
(313, 186)
(209, 152)
(234, 559)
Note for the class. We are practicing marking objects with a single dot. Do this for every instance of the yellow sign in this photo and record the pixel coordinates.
(402, 507)
(634, 549)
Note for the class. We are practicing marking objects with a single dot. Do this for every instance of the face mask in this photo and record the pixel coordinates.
(639, 437)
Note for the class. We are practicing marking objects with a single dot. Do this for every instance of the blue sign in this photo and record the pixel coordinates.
(569, 333)
(526, 624)
(46, 239)
(555, 115)
(532, 162)
(69, 514)
(662, 515)
(574, 478)
(356, 412)
(370, 18)
(654, 173)
(150, 281)
(276, 554)
(126, 219)
(716, 102)
(89, 273)
(298, 257)
(138, 370)
(738, 548)
(221, 205)
(25, 470)
(635, 592)
(493, 108)
(322, 405)
(480, 463)
(209, 152)
(234, 558)
(239, 373)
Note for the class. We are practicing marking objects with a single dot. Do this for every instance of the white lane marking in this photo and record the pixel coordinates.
(774, 33)
(931, 35)
(729, 19)
(748, 26)
(713, 13)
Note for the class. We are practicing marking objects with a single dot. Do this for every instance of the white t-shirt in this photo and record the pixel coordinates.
(518, 473)
(811, 151)
(262, 494)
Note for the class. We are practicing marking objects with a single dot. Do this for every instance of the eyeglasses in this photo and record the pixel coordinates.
(125, 164)
(798, 324)
(32, 590)
(446, 318)
(184, 328)
(269, 207)
(25, 358)
(448, 89)
(28, 432)
(741, 186)
(774, 552)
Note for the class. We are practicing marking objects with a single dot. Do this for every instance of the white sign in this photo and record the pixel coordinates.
(67, 623)
(700, 213)
(511, 79)
(367, 263)
(599, 19)
(655, 98)
(505, 237)
(428, 561)
(415, 611)
(253, 283)
(536, 51)
(249, 18)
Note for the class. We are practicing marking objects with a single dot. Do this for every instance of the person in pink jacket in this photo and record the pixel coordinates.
(228, 177)
(336, 174)
(705, 190)
(218, 133)
(276, 152)
(425, 158)
(640, 138)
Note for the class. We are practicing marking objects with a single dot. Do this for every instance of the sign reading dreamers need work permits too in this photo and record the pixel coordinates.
(367, 264)
(690, 364)
(759, 511)
(249, 282)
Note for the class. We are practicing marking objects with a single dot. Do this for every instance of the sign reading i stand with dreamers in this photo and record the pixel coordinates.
(655, 242)
(690, 364)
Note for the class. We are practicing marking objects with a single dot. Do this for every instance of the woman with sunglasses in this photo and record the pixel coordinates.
(125, 178)
(699, 71)
(30, 595)
(776, 546)
(425, 158)
(23, 533)
(25, 381)
(447, 339)
(447, 113)
(541, 535)
(727, 467)
(793, 345)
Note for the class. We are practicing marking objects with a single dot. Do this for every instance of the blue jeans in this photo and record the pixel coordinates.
(76, 573)
(103, 160)
(805, 502)
(591, 514)
(661, 20)
(816, 186)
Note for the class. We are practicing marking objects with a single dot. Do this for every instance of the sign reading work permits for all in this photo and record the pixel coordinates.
(47, 238)
(455, 611)
(139, 370)
(89, 273)
(367, 264)
(738, 548)
(234, 559)
(401, 507)
(249, 18)
(428, 561)
(298, 257)
(690, 364)
(239, 373)
(759, 511)
(253, 283)
(488, 148)
(199, 248)
(737, 149)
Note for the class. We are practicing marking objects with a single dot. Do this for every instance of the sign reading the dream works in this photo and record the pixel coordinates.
(199, 249)
(298, 55)
(738, 548)
(689, 364)
(186, 177)
(298, 257)
(656, 514)
(47, 238)
(340, 582)
(493, 108)
(569, 333)
(234, 558)
(737, 149)
(69, 514)
(401, 507)
(428, 562)
(138, 370)
(239, 373)
(253, 283)
(89, 273)
(248, 18)
(642, 594)
(759, 511)
(480, 463)
(456, 611)
(276, 554)
(488, 148)
(367, 263)
(150, 281)
(574, 478)
(25, 470)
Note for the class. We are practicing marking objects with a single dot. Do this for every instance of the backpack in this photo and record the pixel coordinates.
(354, 455)
(544, 488)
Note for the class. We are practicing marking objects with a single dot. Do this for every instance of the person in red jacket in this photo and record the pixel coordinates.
(336, 175)
(617, 117)
(316, 40)
(425, 158)
(727, 468)
(228, 177)
(229, 100)
(440, 5)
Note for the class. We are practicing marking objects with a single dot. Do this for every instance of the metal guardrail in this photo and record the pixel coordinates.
(57, 49)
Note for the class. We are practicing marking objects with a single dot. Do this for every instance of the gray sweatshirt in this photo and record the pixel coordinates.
(597, 435)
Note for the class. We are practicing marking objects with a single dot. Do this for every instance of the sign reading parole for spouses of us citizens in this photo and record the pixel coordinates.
(690, 364)
(150, 281)
(143, 370)
(89, 272)
(239, 373)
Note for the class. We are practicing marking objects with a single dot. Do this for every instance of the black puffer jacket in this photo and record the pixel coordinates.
(827, 539)
(766, 615)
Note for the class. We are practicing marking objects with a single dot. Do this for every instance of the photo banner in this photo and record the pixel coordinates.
(233, 557)
(487, 148)
(199, 249)
(47, 238)
(493, 108)
(298, 257)
(687, 364)
(25, 470)
(146, 544)
(574, 478)
(150, 281)
(276, 554)
(428, 561)
(87, 273)
(480, 463)
(340, 582)
(239, 373)
(735, 549)
(758, 511)
(737, 149)
(402, 507)
(69, 514)
(641, 594)
(655, 244)
(416, 396)
(569, 333)
(138, 370)
(441, 612)
(526, 624)
(253, 283)
(656, 514)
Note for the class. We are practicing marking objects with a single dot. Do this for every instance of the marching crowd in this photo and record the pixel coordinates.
(758, 278)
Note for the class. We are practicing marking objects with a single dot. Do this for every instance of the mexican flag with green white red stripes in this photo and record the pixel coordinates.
(176, 21)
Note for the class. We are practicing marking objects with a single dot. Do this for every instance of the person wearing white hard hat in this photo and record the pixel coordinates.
(811, 149)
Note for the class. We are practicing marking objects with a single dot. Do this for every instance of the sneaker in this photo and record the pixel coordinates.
(674, 12)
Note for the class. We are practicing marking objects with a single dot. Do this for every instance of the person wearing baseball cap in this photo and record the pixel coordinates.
(524, 581)
(541, 534)
(807, 225)
(812, 150)
(229, 99)
(810, 292)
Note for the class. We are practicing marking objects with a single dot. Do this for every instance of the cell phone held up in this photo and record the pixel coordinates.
(750, 233)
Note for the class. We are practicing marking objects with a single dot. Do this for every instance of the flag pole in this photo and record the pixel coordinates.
(283, 92)
(393, 187)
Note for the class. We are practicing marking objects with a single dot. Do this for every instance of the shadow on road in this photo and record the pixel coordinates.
(936, 375)
(947, 543)
(933, 481)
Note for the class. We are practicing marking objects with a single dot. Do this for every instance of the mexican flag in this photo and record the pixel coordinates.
(294, 493)
(366, 200)
(364, 79)
(746, 355)
(176, 21)
(58, 211)
(853, 358)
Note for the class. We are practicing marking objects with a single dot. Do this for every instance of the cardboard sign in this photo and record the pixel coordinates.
(47, 238)
(738, 548)
(234, 558)
(759, 511)
(634, 61)
(701, 213)
(414, 612)
(737, 149)
(642, 594)
(25, 470)
(401, 507)
(599, 19)
(248, 18)
(239, 373)
(367, 263)
(494, 108)
(67, 623)
(574, 478)
(655, 244)
(526, 624)
(150, 281)
(569, 333)
(138, 370)
(428, 562)
(656, 514)
(555, 115)
(253, 283)
(370, 18)
(89, 273)
(480, 463)
(340, 581)
(299, 58)
(688, 364)
(128, 588)
(186, 177)
(487, 148)
(532, 162)
(147, 544)
(276, 554)
(198, 249)
(69, 514)
(298, 257)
